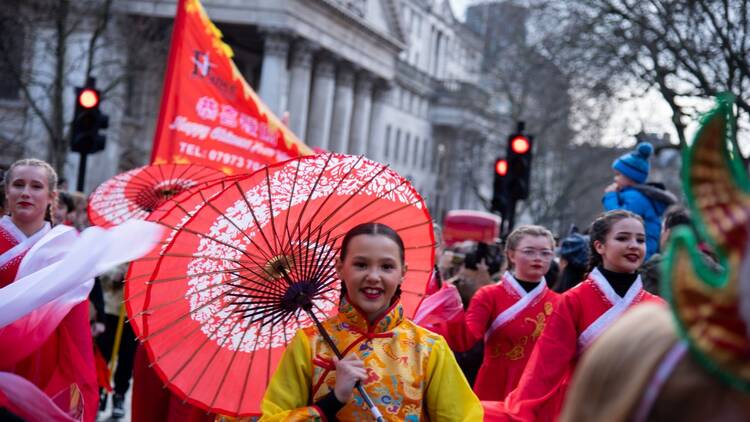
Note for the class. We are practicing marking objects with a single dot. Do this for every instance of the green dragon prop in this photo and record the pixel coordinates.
(711, 307)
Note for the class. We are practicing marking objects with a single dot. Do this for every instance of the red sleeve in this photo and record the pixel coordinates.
(464, 331)
(541, 389)
(76, 359)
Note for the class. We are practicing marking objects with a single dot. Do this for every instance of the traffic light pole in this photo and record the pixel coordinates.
(88, 121)
(81, 172)
(509, 217)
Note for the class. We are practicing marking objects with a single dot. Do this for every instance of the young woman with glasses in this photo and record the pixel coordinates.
(509, 315)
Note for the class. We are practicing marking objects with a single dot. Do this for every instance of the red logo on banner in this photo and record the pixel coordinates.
(209, 114)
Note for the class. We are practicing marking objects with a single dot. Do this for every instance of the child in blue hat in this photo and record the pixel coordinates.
(630, 192)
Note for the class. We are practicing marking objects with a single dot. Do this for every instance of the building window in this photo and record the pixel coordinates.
(435, 158)
(387, 141)
(397, 145)
(425, 154)
(407, 148)
(415, 156)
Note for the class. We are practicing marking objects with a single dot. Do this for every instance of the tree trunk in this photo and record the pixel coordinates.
(58, 147)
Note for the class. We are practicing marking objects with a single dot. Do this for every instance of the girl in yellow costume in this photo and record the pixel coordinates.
(409, 372)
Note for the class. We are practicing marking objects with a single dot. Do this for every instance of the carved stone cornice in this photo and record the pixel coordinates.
(364, 83)
(344, 75)
(276, 43)
(302, 54)
(325, 66)
(382, 92)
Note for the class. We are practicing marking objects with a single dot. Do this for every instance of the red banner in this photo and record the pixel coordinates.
(209, 114)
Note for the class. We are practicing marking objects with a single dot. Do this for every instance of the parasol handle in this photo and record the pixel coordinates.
(118, 338)
(358, 385)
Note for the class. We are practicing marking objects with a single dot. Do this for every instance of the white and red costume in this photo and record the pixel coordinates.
(580, 317)
(52, 347)
(45, 279)
(510, 320)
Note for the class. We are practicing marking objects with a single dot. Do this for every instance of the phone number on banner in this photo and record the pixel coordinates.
(221, 157)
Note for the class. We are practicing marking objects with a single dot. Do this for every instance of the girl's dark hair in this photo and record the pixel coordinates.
(377, 229)
(491, 255)
(601, 227)
(569, 278)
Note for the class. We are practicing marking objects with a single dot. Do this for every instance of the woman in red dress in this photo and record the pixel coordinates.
(58, 352)
(509, 315)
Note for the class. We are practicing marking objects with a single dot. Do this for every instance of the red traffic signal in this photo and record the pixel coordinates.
(88, 98)
(88, 120)
(501, 167)
(520, 144)
(518, 154)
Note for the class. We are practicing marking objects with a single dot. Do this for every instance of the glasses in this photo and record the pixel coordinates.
(545, 254)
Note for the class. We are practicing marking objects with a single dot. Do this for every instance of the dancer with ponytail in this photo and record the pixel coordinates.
(57, 355)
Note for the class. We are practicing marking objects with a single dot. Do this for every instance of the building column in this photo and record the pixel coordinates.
(360, 130)
(380, 99)
(342, 109)
(299, 92)
(321, 107)
(273, 74)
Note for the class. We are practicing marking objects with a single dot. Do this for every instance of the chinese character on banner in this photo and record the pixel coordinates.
(208, 111)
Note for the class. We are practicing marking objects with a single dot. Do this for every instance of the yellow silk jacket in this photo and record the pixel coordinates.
(413, 375)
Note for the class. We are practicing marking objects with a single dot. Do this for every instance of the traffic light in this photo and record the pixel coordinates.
(88, 120)
(519, 153)
(501, 167)
(499, 195)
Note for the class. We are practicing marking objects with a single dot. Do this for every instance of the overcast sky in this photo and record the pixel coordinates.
(459, 7)
(651, 113)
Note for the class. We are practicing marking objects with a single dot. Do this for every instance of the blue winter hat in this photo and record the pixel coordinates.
(575, 250)
(634, 165)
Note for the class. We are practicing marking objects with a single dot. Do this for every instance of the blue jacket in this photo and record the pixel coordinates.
(647, 201)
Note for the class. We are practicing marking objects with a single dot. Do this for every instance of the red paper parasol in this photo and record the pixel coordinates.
(172, 214)
(136, 193)
(222, 302)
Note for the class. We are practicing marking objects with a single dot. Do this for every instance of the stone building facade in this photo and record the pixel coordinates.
(396, 80)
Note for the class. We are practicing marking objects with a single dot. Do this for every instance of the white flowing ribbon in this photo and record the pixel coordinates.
(31, 402)
(67, 282)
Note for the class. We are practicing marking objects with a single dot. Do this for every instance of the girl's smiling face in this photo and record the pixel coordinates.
(624, 246)
(371, 271)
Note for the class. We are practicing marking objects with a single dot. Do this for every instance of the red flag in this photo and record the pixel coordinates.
(209, 114)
